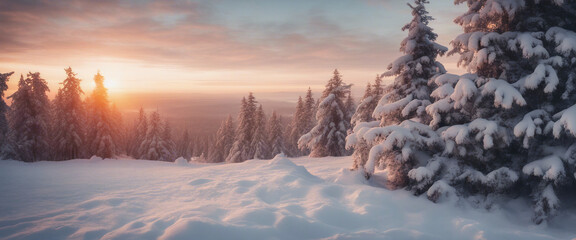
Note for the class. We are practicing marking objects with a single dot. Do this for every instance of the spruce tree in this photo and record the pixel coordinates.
(275, 135)
(29, 119)
(184, 145)
(120, 134)
(260, 144)
(4, 78)
(224, 141)
(327, 138)
(500, 122)
(309, 117)
(402, 134)
(100, 134)
(241, 149)
(167, 138)
(139, 134)
(365, 108)
(297, 128)
(69, 116)
(350, 107)
(154, 146)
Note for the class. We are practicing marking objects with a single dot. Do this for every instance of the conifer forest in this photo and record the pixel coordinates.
(465, 131)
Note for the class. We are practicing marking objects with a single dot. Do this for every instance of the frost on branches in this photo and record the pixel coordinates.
(508, 126)
(328, 137)
(402, 135)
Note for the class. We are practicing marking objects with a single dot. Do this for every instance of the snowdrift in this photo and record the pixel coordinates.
(279, 199)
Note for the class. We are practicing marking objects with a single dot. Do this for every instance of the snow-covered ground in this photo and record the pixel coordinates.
(279, 199)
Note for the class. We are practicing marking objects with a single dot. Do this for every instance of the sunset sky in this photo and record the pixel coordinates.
(276, 49)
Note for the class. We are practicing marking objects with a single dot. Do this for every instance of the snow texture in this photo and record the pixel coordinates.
(566, 122)
(278, 199)
(504, 93)
(181, 161)
(549, 168)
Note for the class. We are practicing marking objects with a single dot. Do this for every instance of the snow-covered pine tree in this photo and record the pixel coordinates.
(241, 149)
(19, 131)
(154, 146)
(100, 132)
(119, 130)
(68, 119)
(328, 137)
(260, 142)
(139, 134)
(309, 117)
(303, 122)
(403, 134)
(409, 94)
(365, 108)
(506, 124)
(4, 78)
(184, 145)
(363, 112)
(363, 115)
(224, 141)
(28, 119)
(350, 106)
(297, 129)
(41, 108)
(275, 135)
(167, 138)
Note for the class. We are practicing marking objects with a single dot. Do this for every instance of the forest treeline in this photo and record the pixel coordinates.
(72, 125)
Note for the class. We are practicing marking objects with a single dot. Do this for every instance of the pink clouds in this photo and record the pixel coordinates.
(148, 31)
(180, 40)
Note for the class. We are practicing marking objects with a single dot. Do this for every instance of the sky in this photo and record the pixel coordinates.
(174, 49)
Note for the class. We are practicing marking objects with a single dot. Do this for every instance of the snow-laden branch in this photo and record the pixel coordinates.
(504, 93)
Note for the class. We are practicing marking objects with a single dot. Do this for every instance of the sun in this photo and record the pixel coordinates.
(111, 84)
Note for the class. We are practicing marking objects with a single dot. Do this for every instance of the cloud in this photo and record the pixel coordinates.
(175, 32)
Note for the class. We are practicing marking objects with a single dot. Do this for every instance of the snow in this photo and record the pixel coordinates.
(181, 161)
(285, 198)
(566, 122)
(464, 90)
(388, 108)
(566, 40)
(542, 73)
(549, 168)
(504, 93)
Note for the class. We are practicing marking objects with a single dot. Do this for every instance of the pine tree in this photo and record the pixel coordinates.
(100, 134)
(297, 128)
(139, 134)
(224, 141)
(167, 138)
(327, 138)
(4, 78)
(154, 146)
(365, 108)
(184, 145)
(500, 121)
(275, 135)
(309, 117)
(68, 125)
(350, 107)
(402, 135)
(260, 144)
(119, 131)
(241, 149)
(28, 119)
